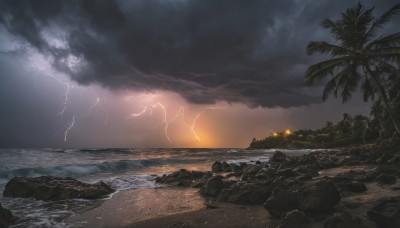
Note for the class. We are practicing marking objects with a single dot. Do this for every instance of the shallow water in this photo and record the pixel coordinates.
(121, 168)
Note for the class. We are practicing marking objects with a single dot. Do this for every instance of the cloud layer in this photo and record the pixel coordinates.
(205, 50)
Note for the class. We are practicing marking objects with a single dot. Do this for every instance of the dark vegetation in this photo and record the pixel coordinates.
(358, 55)
(349, 131)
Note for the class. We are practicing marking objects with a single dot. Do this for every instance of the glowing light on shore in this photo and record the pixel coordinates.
(288, 132)
(274, 134)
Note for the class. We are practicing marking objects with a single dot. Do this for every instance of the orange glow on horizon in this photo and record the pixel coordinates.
(288, 132)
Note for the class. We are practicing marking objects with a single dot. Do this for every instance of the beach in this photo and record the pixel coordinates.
(310, 188)
(167, 207)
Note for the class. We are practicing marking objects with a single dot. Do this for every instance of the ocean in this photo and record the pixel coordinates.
(121, 168)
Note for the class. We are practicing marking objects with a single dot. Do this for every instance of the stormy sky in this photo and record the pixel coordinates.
(222, 71)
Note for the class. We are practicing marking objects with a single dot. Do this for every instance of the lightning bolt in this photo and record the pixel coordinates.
(97, 104)
(193, 125)
(134, 115)
(71, 125)
(165, 121)
(149, 109)
(69, 86)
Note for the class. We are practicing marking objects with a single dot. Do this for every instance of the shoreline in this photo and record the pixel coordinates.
(184, 207)
(314, 189)
(167, 207)
(129, 206)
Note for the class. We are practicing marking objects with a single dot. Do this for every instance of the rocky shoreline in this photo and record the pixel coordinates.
(49, 188)
(299, 191)
(350, 187)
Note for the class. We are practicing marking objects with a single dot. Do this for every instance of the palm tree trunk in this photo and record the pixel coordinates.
(380, 122)
(384, 98)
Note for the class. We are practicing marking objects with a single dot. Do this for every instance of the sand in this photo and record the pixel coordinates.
(167, 207)
(184, 207)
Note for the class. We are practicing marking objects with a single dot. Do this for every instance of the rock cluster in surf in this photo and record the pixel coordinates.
(293, 192)
(55, 188)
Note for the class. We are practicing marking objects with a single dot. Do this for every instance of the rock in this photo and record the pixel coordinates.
(278, 156)
(250, 172)
(245, 193)
(327, 162)
(343, 220)
(386, 179)
(216, 167)
(286, 173)
(308, 160)
(185, 178)
(282, 201)
(386, 212)
(226, 167)
(6, 218)
(213, 186)
(234, 167)
(369, 176)
(345, 182)
(295, 219)
(356, 186)
(318, 196)
(54, 188)
(306, 170)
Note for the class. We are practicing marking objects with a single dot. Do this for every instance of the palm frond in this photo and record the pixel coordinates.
(347, 79)
(330, 86)
(321, 70)
(355, 22)
(325, 48)
(392, 55)
(379, 22)
(349, 84)
(385, 41)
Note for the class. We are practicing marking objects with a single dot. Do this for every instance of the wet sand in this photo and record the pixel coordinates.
(184, 207)
(225, 215)
(167, 207)
(132, 205)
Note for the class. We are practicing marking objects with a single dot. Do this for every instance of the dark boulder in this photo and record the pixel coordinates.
(282, 201)
(234, 167)
(286, 173)
(308, 160)
(328, 161)
(245, 193)
(343, 220)
(356, 186)
(386, 179)
(213, 186)
(306, 170)
(346, 183)
(278, 156)
(216, 167)
(250, 172)
(318, 196)
(54, 188)
(386, 213)
(295, 219)
(6, 218)
(185, 178)
(226, 167)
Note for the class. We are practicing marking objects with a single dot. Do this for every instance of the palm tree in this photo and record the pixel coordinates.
(356, 55)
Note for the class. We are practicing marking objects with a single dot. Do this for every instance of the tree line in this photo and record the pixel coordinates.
(359, 55)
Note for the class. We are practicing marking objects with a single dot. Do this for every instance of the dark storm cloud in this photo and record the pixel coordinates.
(205, 50)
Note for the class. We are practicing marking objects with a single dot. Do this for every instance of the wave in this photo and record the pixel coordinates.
(86, 169)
